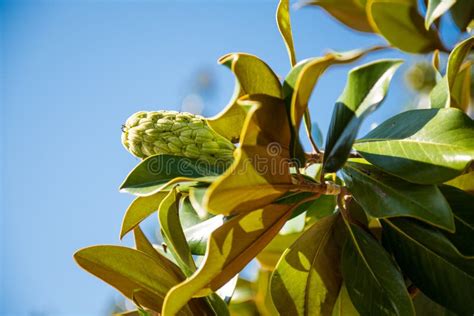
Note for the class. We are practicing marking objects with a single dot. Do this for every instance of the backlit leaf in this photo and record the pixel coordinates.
(173, 233)
(284, 26)
(253, 76)
(464, 182)
(402, 26)
(306, 280)
(139, 209)
(350, 12)
(365, 89)
(143, 244)
(344, 306)
(432, 263)
(260, 172)
(229, 249)
(382, 196)
(421, 146)
(132, 272)
(373, 282)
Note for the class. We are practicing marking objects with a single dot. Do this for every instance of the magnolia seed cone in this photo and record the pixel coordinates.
(174, 133)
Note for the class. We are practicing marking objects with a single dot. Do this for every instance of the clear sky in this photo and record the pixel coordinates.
(71, 72)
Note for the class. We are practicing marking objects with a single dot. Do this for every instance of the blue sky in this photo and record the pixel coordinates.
(71, 72)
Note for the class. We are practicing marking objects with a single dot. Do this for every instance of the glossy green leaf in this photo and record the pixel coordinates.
(249, 184)
(373, 281)
(383, 196)
(198, 235)
(462, 13)
(421, 146)
(440, 96)
(432, 263)
(435, 9)
(350, 12)
(173, 233)
(306, 280)
(365, 89)
(139, 209)
(253, 76)
(154, 173)
(299, 84)
(229, 249)
(284, 26)
(462, 205)
(132, 272)
(399, 22)
(344, 306)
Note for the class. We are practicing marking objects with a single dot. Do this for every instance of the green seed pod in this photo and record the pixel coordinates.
(173, 133)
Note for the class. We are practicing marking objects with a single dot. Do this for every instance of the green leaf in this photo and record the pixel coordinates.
(270, 255)
(143, 244)
(421, 146)
(132, 272)
(461, 90)
(432, 263)
(435, 9)
(248, 184)
(464, 182)
(451, 89)
(350, 12)
(462, 13)
(462, 205)
(253, 76)
(306, 280)
(229, 249)
(365, 89)
(344, 306)
(173, 233)
(402, 26)
(198, 235)
(383, 196)
(157, 172)
(284, 26)
(425, 306)
(375, 285)
(139, 209)
(299, 84)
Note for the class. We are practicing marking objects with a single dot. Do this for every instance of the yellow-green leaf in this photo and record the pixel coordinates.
(461, 89)
(284, 26)
(306, 280)
(143, 244)
(132, 272)
(139, 209)
(464, 182)
(173, 233)
(344, 306)
(229, 249)
(249, 184)
(253, 76)
(399, 22)
(350, 12)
